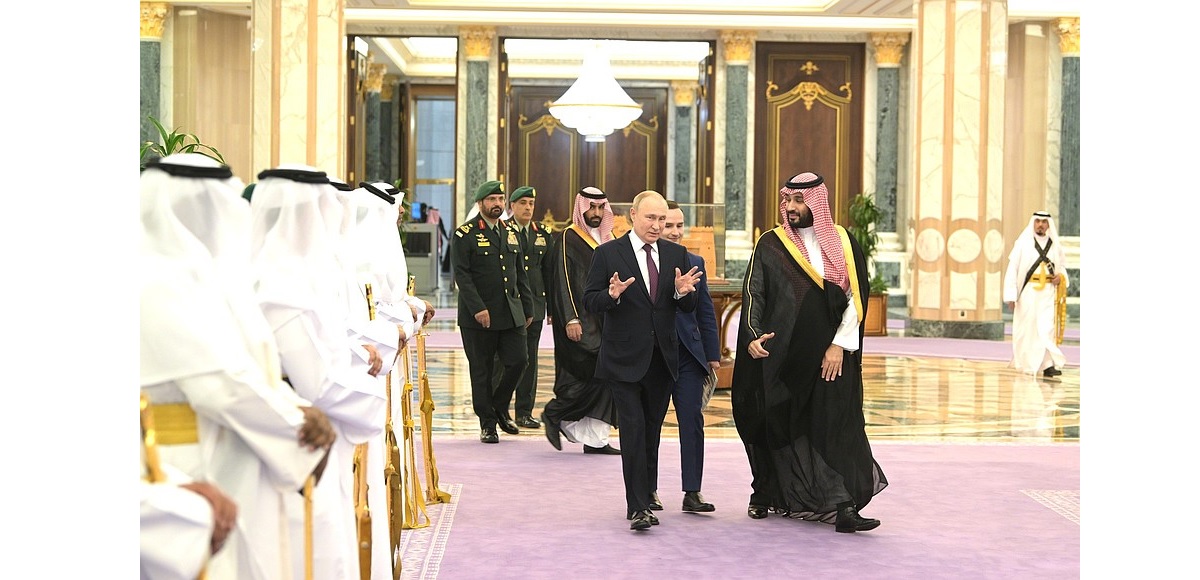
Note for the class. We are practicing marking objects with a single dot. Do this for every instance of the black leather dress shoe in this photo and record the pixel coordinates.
(1051, 372)
(551, 432)
(655, 503)
(848, 521)
(488, 435)
(649, 514)
(528, 422)
(641, 521)
(606, 450)
(694, 502)
(757, 512)
(507, 424)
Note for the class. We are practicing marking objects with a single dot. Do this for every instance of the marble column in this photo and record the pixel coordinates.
(1067, 220)
(960, 53)
(154, 15)
(299, 84)
(889, 49)
(684, 95)
(738, 50)
(374, 86)
(390, 115)
(479, 42)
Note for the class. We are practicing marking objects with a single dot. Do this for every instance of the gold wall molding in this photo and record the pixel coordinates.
(154, 15)
(809, 91)
(684, 92)
(1068, 35)
(889, 48)
(739, 46)
(477, 41)
(375, 74)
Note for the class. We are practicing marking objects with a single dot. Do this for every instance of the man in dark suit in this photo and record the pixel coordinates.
(639, 348)
(493, 299)
(535, 242)
(699, 356)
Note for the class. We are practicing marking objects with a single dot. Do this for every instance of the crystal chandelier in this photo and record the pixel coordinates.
(595, 105)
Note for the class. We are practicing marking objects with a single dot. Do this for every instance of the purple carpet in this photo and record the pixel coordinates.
(951, 511)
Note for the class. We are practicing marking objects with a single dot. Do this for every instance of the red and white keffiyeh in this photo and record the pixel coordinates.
(816, 196)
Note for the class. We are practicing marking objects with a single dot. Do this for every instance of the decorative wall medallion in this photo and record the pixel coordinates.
(963, 245)
(930, 245)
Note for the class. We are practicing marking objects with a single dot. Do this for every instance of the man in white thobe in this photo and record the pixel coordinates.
(301, 287)
(210, 364)
(1036, 268)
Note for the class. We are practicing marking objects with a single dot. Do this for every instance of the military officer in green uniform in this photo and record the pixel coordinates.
(535, 242)
(493, 299)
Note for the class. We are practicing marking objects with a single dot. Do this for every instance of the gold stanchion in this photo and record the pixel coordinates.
(362, 507)
(1060, 309)
(434, 493)
(414, 509)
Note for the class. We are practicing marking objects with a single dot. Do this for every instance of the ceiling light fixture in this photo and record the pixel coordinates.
(595, 105)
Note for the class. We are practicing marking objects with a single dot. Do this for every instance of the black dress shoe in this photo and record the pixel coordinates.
(641, 521)
(848, 521)
(694, 502)
(1051, 372)
(655, 503)
(507, 424)
(650, 515)
(528, 422)
(488, 435)
(757, 512)
(606, 450)
(552, 432)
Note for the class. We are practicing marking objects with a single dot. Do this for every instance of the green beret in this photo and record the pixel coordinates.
(488, 188)
(520, 192)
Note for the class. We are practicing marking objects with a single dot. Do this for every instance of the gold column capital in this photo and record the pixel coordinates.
(389, 87)
(739, 45)
(889, 48)
(685, 92)
(477, 41)
(1068, 35)
(375, 72)
(154, 14)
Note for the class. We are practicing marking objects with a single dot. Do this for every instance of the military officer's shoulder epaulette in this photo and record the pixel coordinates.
(462, 230)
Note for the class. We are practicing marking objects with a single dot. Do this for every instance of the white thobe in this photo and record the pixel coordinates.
(322, 371)
(175, 532)
(847, 331)
(1035, 347)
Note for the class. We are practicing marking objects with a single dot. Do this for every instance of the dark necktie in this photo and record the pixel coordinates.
(653, 271)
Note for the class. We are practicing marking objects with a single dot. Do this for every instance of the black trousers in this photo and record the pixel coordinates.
(642, 406)
(527, 386)
(484, 348)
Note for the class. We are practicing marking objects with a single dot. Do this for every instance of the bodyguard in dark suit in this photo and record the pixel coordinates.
(637, 282)
(699, 355)
(493, 299)
(535, 243)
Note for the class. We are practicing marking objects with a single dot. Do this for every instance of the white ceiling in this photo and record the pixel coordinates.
(660, 40)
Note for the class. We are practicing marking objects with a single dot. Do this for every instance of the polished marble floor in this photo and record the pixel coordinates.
(935, 398)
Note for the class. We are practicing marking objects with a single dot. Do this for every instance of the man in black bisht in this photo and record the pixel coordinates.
(582, 407)
(797, 385)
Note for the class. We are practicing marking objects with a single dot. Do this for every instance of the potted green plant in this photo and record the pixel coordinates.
(176, 142)
(864, 214)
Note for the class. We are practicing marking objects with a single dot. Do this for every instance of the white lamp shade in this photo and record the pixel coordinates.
(595, 105)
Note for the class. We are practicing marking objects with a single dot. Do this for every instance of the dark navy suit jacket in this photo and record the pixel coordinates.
(698, 330)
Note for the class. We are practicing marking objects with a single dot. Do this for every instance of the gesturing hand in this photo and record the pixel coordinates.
(616, 287)
(756, 349)
(685, 283)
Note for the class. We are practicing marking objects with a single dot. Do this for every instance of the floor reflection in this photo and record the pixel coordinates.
(918, 399)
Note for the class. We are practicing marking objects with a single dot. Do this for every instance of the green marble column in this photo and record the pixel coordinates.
(477, 123)
(889, 50)
(153, 17)
(1068, 167)
(736, 125)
